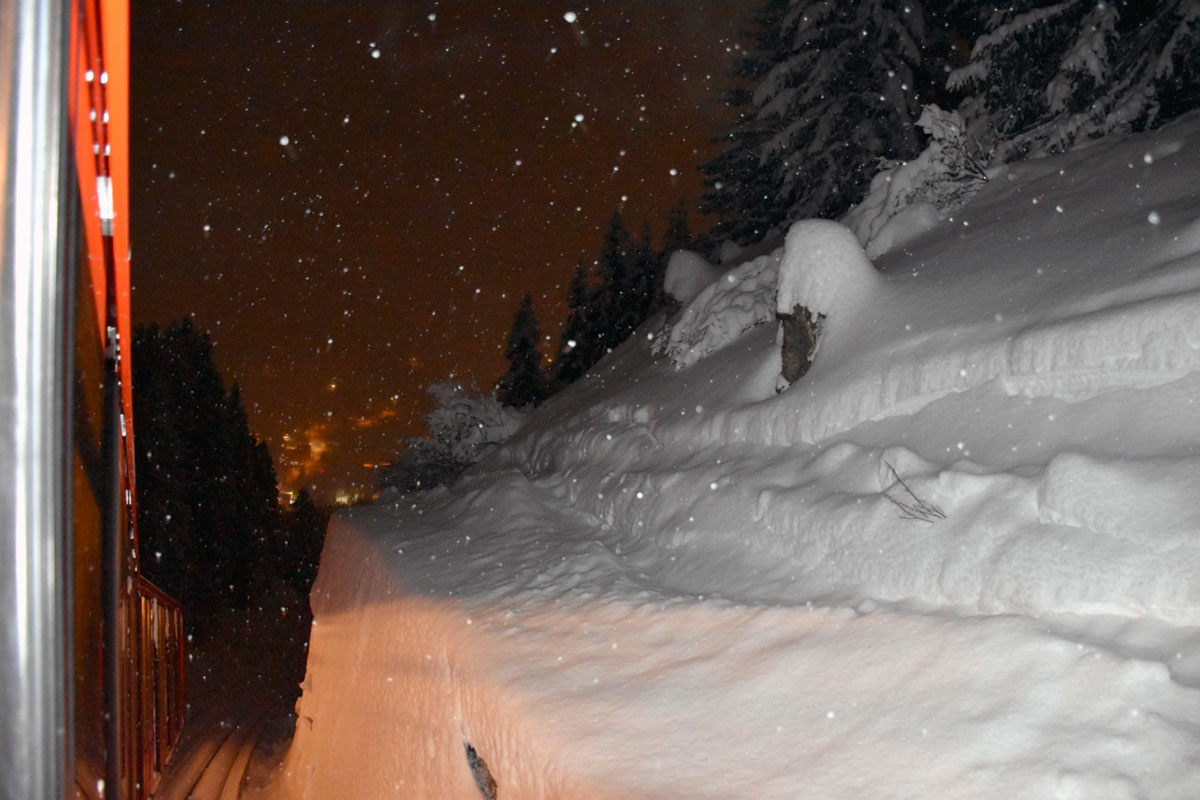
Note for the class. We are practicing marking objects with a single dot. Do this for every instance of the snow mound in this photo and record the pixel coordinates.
(824, 269)
(901, 227)
(687, 275)
(889, 216)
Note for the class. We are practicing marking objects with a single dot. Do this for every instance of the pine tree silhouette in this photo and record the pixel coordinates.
(523, 384)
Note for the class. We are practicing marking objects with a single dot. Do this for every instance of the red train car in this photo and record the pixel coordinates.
(92, 654)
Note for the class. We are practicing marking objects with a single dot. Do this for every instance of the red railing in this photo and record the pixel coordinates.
(159, 649)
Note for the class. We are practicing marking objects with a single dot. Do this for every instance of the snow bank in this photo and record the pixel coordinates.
(1139, 345)
(1044, 301)
(649, 696)
(960, 557)
(1149, 503)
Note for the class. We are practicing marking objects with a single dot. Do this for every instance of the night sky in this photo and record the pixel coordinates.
(353, 196)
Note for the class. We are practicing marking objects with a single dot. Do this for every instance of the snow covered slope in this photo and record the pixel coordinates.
(959, 558)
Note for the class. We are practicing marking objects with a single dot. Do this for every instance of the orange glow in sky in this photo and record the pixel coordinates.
(432, 174)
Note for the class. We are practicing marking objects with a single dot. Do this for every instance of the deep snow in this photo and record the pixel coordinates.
(959, 558)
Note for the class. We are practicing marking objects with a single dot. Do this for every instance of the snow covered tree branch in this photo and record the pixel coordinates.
(463, 427)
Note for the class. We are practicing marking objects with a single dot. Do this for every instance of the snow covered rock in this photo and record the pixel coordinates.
(824, 269)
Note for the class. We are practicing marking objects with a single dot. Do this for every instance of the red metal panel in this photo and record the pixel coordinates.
(84, 56)
(115, 33)
(99, 117)
(151, 642)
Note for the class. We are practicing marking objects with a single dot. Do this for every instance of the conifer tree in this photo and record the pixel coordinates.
(629, 291)
(1043, 77)
(835, 93)
(251, 510)
(577, 351)
(740, 192)
(208, 512)
(678, 235)
(645, 277)
(304, 534)
(523, 384)
(616, 284)
(1162, 73)
(1034, 75)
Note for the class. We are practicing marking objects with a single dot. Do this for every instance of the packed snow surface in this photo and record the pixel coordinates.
(959, 558)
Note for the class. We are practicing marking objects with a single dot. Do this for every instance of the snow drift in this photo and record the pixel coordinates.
(959, 558)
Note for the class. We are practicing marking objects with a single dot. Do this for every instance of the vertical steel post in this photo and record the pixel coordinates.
(33, 594)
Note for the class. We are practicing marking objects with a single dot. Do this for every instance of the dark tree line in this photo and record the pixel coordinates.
(605, 305)
(212, 530)
(828, 93)
(1043, 77)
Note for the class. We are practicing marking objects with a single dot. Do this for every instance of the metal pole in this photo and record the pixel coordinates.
(33, 613)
